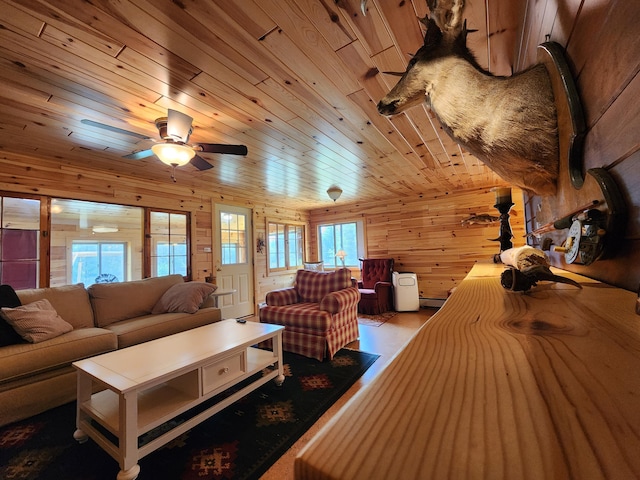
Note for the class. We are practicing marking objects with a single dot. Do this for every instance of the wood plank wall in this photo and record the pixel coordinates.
(602, 41)
(424, 234)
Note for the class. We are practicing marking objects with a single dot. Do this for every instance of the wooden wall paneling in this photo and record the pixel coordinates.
(503, 34)
(425, 236)
(262, 213)
(532, 34)
(585, 29)
(565, 21)
(602, 48)
(613, 61)
(406, 28)
(625, 174)
(614, 137)
(476, 16)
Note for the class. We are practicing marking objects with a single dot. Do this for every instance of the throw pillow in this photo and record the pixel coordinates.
(37, 321)
(184, 297)
(8, 298)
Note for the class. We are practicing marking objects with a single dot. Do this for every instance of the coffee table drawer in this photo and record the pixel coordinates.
(223, 371)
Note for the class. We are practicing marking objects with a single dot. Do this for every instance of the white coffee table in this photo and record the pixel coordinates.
(147, 385)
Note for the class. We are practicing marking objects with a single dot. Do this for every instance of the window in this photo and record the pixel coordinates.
(285, 246)
(19, 242)
(95, 242)
(233, 238)
(169, 252)
(341, 236)
(98, 262)
(99, 242)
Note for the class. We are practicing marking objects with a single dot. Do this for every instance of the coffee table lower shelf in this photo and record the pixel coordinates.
(115, 418)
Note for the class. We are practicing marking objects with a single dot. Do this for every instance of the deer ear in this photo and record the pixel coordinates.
(433, 35)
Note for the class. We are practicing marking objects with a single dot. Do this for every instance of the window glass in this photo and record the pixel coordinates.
(233, 238)
(285, 246)
(95, 242)
(98, 262)
(169, 252)
(348, 237)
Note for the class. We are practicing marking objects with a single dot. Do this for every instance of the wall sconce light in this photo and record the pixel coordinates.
(334, 192)
(341, 254)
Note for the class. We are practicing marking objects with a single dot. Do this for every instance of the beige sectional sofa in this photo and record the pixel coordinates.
(35, 377)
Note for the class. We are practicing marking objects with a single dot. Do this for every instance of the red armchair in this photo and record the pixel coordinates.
(376, 289)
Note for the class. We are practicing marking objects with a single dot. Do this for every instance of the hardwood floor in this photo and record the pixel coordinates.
(385, 340)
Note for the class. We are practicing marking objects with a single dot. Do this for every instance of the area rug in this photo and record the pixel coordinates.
(240, 442)
(375, 320)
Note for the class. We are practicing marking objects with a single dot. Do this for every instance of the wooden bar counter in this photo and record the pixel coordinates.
(499, 385)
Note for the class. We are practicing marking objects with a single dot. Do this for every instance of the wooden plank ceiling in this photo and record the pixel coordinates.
(296, 81)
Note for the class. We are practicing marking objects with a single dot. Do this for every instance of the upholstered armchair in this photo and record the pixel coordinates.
(376, 289)
(320, 313)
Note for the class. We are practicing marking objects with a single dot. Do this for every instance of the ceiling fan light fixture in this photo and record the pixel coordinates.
(173, 154)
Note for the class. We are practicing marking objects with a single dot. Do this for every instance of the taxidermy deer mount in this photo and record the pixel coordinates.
(509, 123)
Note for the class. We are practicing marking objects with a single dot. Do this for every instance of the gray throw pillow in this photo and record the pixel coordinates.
(36, 322)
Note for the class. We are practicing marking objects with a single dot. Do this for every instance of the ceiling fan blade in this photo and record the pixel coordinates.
(139, 155)
(200, 163)
(121, 131)
(222, 148)
(179, 125)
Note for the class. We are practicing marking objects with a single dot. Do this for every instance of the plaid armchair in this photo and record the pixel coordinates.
(320, 313)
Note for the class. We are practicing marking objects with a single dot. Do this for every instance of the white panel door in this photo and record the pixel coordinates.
(234, 260)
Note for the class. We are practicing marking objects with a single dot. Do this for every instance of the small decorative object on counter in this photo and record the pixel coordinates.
(527, 267)
(503, 205)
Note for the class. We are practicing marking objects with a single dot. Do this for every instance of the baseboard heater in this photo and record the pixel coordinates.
(431, 302)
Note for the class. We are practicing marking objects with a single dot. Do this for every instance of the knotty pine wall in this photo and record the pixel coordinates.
(602, 42)
(424, 234)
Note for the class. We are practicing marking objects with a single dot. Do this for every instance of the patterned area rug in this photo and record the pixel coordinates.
(375, 320)
(240, 442)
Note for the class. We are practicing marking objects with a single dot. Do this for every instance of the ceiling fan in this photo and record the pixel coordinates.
(173, 149)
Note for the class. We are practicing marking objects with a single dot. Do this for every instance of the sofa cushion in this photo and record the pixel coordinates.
(313, 286)
(27, 359)
(8, 298)
(305, 317)
(149, 327)
(184, 297)
(113, 302)
(37, 321)
(70, 301)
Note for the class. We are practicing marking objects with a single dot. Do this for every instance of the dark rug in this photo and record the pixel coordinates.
(240, 442)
